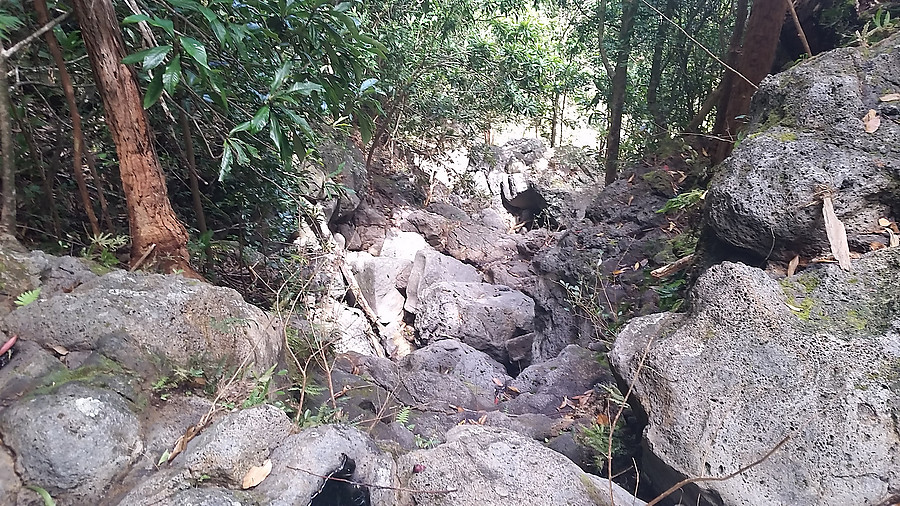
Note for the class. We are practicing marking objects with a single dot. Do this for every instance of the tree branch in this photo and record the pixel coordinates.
(41, 31)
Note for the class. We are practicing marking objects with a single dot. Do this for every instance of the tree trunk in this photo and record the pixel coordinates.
(656, 112)
(151, 220)
(77, 135)
(554, 119)
(195, 182)
(760, 43)
(8, 169)
(734, 54)
(98, 182)
(619, 82)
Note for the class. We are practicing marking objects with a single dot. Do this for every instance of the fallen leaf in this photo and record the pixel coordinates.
(602, 419)
(59, 350)
(793, 307)
(498, 382)
(792, 265)
(883, 222)
(895, 238)
(872, 121)
(617, 272)
(890, 97)
(875, 245)
(631, 178)
(630, 198)
(637, 265)
(837, 234)
(256, 474)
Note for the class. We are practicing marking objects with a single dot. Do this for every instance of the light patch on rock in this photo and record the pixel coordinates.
(88, 406)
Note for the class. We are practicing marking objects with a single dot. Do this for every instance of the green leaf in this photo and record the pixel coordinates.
(368, 83)
(48, 501)
(366, 127)
(243, 127)
(165, 24)
(196, 50)
(280, 75)
(259, 119)
(306, 88)
(163, 458)
(135, 18)
(348, 22)
(379, 48)
(225, 167)
(239, 152)
(154, 90)
(172, 75)
(275, 133)
(151, 58)
(28, 297)
(221, 33)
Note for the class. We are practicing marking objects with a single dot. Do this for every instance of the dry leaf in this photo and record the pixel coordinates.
(875, 245)
(631, 178)
(895, 238)
(256, 474)
(890, 97)
(872, 121)
(602, 419)
(617, 272)
(637, 266)
(630, 198)
(793, 307)
(837, 234)
(792, 265)
(883, 222)
(59, 350)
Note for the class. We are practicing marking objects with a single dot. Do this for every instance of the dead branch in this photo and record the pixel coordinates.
(800, 32)
(673, 267)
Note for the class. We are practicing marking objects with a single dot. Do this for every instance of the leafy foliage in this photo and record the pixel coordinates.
(28, 297)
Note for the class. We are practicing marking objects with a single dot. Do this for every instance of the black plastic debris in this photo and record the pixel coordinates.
(340, 489)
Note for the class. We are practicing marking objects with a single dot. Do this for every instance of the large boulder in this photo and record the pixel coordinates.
(486, 317)
(74, 442)
(813, 359)
(492, 466)
(151, 323)
(431, 267)
(807, 139)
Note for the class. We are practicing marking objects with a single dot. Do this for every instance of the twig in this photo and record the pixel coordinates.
(742, 470)
(380, 487)
(695, 41)
(27, 40)
(799, 27)
(673, 267)
(143, 257)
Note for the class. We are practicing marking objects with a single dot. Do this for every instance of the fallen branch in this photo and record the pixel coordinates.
(673, 267)
(742, 470)
(800, 32)
(379, 487)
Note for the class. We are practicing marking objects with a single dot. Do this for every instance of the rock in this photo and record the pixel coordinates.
(22, 271)
(224, 452)
(212, 496)
(10, 484)
(543, 386)
(136, 319)
(467, 242)
(491, 466)
(300, 459)
(814, 358)
(73, 443)
(483, 316)
(28, 367)
(379, 279)
(405, 245)
(431, 267)
(341, 157)
(806, 136)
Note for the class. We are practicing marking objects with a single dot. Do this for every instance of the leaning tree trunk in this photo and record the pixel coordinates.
(40, 6)
(760, 43)
(7, 169)
(619, 82)
(157, 237)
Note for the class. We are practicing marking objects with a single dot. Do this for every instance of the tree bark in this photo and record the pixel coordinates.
(8, 169)
(653, 105)
(77, 134)
(194, 178)
(98, 182)
(760, 43)
(734, 54)
(151, 220)
(617, 98)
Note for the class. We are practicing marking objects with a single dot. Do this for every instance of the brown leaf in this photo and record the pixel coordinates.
(895, 238)
(890, 97)
(602, 419)
(884, 222)
(875, 245)
(837, 234)
(872, 121)
(497, 382)
(792, 265)
(59, 350)
(256, 474)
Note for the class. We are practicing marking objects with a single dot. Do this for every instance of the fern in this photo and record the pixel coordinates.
(403, 415)
(28, 297)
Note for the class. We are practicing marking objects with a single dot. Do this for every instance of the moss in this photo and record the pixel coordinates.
(854, 319)
(98, 373)
(808, 282)
(805, 307)
(787, 136)
(659, 181)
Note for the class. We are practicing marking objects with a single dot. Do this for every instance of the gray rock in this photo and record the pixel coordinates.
(491, 466)
(431, 267)
(28, 367)
(212, 496)
(399, 244)
(806, 137)
(723, 385)
(378, 279)
(74, 443)
(10, 484)
(153, 317)
(467, 242)
(483, 316)
(225, 451)
(301, 459)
